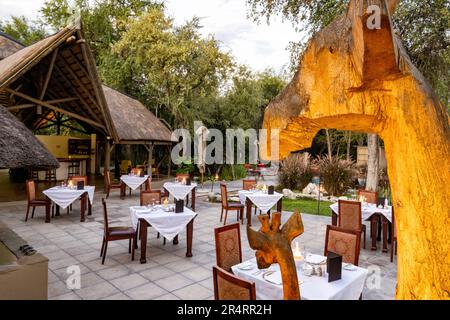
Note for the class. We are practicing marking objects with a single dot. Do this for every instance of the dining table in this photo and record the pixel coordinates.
(131, 181)
(312, 287)
(166, 222)
(261, 199)
(180, 191)
(372, 213)
(64, 196)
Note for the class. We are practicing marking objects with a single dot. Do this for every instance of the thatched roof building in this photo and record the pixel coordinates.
(8, 45)
(133, 122)
(19, 148)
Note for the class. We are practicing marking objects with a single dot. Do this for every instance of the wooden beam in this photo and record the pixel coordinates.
(45, 104)
(31, 105)
(49, 74)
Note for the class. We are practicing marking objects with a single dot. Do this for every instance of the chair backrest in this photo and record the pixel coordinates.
(228, 246)
(249, 184)
(371, 196)
(148, 184)
(135, 171)
(229, 287)
(105, 217)
(150, 197)
(350, 215)
(344, 242)
(76, 179)
(180, 176)
(224, 194)
(124, 165)
(31, 190)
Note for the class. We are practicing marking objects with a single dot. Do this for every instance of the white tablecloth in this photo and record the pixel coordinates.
(179, 191)
(169, 224)
(349, 287)
(262, 200)
(133, 182)
(63, 197)
(368, 210)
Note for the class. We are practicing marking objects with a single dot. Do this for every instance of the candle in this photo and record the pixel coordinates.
(298, 256)
(183, 181)
(166, 202)
(70, 184)
(217, 177)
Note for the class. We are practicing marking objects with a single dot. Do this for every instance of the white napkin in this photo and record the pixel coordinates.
(273, 277)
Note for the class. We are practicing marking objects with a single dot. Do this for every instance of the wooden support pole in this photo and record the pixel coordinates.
(107, 157)
(150, 160)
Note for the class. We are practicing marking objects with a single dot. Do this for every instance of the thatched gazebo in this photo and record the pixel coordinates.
(19, 148)
(135, 124)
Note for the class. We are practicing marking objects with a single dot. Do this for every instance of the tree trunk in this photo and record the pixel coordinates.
(330, 150)
(349, 142)
(372, 162)
(354, 78)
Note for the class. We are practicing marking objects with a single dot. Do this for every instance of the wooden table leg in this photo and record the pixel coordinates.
(373, 229)
(83, 207)
(280, 205)
(248, 204)
(189, 234)
(385, 233)
(193, 200)
(143, 233)
(334, 218)
(175, 240)
(47, 211)
(57, 210)
(89, 205)
(122, 190)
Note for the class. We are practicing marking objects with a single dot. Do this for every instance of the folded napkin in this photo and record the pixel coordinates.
(315, 259)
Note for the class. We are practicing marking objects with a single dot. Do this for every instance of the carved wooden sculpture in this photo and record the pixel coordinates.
(273, 245)
(352, 77)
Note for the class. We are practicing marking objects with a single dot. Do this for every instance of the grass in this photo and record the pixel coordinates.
(307, 205)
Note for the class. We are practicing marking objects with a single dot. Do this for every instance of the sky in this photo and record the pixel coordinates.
(260, 46)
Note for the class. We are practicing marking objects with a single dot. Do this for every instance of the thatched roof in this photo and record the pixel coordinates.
(8, 45)
(73, 78)
(19, 148)
(132, 121)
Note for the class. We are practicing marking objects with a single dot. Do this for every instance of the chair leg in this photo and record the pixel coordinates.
(104, 252)
(103, 247)
(364, 240)
(32, 212)
(225, 218)
(134, 246)
(221, 214)
(242, 215)
(392, 251)
(28, 210)
(129, 245)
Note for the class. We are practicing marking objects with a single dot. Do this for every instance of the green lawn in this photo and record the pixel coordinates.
(306, 205)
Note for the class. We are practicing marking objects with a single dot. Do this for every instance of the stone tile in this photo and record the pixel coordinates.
(67, 296)
(197, 273)
(173, 282)
(156, 273)
(129, 282)
(57, 288)
(114, 272)
(98, 291)
(181, 266)
(168, 296)
(118, 296)
(193, 292)
(146, 292)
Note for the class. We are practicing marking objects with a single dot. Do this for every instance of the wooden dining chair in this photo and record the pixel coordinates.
(149, 198)
(371, 196)
(228, 246)
(33, 202)
(249, 184)
(393, 236)
(180, 176)
(350, 217)
(229, 287)
(148, 187)
(344, 242)
(230, 206)
(111, 186)
(116, 233)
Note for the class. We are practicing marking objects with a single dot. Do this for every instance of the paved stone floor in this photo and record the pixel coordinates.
(168, 274)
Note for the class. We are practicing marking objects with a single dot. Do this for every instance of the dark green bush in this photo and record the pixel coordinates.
(337, 174)
(295, 172)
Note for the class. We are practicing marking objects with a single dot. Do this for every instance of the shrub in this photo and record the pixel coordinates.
(295, 172)
(239, 171)
(336, 174)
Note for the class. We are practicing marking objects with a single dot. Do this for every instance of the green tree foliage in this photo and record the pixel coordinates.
(23, 30)
(423, 25)
(169, 66)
